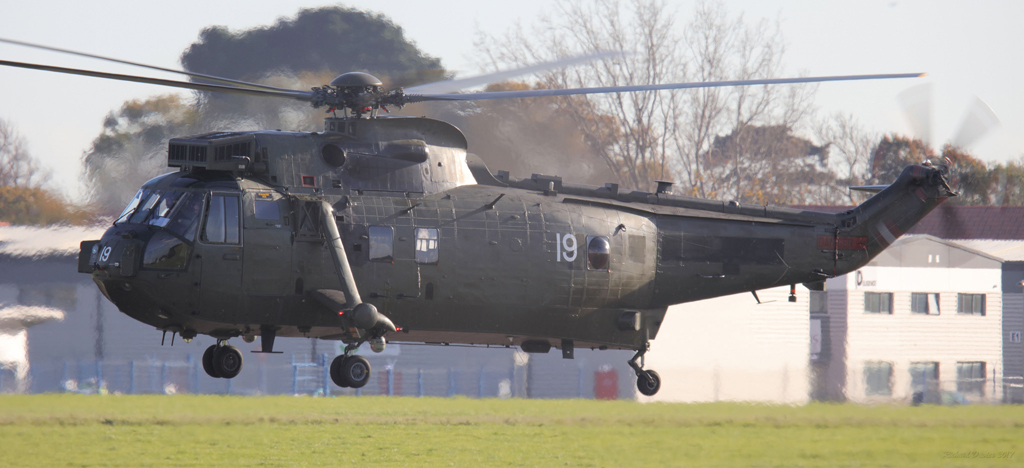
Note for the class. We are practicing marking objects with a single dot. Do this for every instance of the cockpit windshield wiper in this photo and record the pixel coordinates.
(126, 215)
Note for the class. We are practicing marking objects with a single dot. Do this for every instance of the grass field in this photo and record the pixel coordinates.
(186, 430)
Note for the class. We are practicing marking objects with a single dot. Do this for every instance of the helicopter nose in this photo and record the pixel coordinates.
(117, 254)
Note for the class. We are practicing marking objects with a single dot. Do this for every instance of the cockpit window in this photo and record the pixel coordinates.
(184, 219)
(132, 205)
(161, 212)
(143, 210)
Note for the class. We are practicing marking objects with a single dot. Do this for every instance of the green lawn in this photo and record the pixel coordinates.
(186, 430)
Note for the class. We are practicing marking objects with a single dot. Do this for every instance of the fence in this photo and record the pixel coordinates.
(301, 375)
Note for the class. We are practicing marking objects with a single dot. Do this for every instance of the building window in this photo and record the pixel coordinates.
(426, 245)
(924, 382)
(878, 303)
(382, 242)
(970, 378)
(970, 304)
(818, 302)
(878, 378)
(924, 303)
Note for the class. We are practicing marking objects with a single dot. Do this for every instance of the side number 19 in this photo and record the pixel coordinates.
(565, 250)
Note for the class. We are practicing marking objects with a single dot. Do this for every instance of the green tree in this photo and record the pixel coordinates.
(39, 207)
(969, 176)
(133, 148)
(769, 165)
(892, 154)
(335, 38)
(307, 50)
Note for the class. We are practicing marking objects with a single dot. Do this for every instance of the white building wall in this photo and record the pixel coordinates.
(733, 349)
(903, 337)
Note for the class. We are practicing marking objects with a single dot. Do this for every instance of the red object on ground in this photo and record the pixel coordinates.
(606, 384)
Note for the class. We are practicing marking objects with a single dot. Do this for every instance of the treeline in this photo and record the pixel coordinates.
(760, 144)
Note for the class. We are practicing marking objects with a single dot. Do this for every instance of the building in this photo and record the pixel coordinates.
(923, 322)
(936, 318)
(733, 348)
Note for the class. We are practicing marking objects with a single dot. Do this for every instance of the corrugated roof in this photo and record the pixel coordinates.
(1007, 250)
(30, 241)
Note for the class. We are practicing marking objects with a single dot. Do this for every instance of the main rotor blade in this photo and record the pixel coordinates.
(917, 108)
(289, 94)
(656, 87)
(978, 120)
(151, 67)
(449, 86)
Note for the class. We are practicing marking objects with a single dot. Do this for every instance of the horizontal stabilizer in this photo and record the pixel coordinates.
(869, 188)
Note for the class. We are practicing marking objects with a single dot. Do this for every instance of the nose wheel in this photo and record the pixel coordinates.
(350, 371)
(648, 382)
(222, 361)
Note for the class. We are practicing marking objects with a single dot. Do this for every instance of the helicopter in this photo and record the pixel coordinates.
(381, 227)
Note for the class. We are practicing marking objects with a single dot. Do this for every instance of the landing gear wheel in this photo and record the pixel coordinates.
(208, 362)
(336, 376)
(227, 361)
(648, 382)
(355, 370)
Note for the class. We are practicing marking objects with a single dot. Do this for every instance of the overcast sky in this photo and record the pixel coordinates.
(967, 48)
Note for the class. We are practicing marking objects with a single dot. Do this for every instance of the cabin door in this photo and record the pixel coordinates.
(220, 253)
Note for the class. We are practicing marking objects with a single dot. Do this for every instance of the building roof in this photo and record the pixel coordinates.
(1007, 250)
(53, 241)
(960, 222)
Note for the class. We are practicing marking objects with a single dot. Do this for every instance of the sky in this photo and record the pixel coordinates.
(967, 49)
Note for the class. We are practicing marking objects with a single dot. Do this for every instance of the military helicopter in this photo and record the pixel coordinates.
(381, 227)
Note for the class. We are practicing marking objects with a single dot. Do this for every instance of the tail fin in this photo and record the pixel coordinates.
(895, 209)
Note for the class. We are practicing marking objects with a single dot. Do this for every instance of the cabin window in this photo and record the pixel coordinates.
(382, 242)
(165, 252)
(878, 303)
(924, 303)
(267, 209)
(598, 251)
(878, 378)
(222, 220)
(426, 245)
(970, 378)
(638, 248)
(970, 304)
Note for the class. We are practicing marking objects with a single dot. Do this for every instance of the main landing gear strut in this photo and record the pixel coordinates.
(349, 370)
(222, 360)
(648, 382)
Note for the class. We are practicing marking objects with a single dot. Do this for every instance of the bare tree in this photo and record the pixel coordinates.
(643, 136)
(850, 151)
(627, 130)
(724, 48)
(17, 167)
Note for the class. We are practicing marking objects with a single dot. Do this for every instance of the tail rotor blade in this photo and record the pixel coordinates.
(978, 120)
(917, 108)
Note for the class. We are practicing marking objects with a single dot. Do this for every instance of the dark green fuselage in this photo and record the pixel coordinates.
(509, 260)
